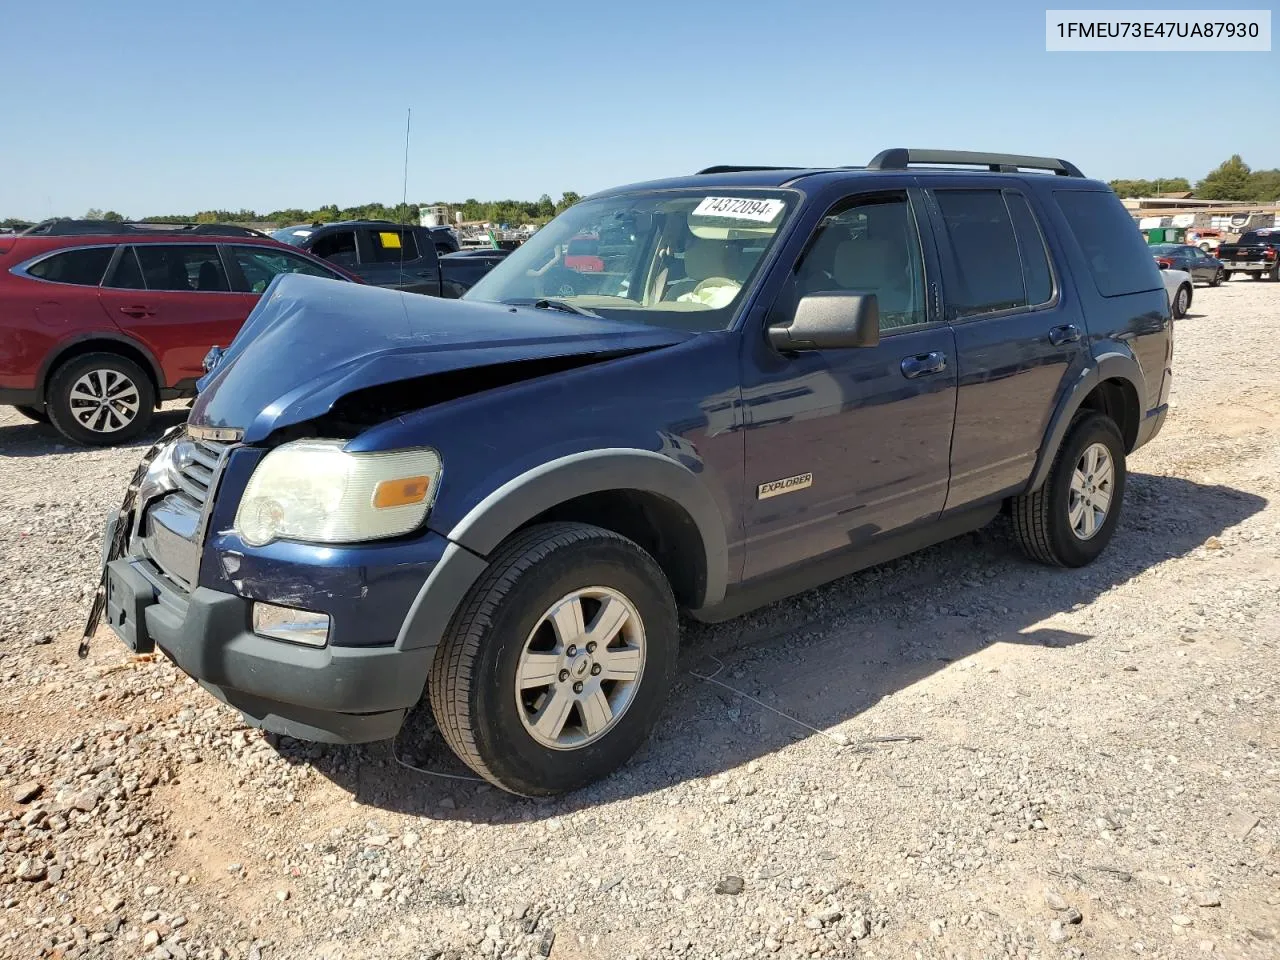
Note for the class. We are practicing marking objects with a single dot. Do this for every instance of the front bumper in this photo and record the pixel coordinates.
(329, 694)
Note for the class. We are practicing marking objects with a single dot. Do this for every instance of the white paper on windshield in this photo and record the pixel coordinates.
(739, 208)
(302, 233)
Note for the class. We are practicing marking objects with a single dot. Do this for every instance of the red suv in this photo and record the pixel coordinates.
(100, 322)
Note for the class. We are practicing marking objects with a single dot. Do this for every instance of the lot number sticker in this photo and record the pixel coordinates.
(739, 208)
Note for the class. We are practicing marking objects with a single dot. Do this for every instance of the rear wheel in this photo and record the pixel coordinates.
(1226, 275)
(34, 413)
(1182, 301)
(1071, 519)
(1259, 275)
(100, 399)
(1218, 278)
(558, 663)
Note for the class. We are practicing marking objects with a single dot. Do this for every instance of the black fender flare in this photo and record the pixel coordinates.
(535, 491)
(1116, 364)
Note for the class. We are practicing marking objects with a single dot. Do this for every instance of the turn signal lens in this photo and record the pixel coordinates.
(401, 492)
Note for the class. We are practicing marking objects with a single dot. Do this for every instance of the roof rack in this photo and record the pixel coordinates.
(730, 168)
(68, 228)
(898, 158)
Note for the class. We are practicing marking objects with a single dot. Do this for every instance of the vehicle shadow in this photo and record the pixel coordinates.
(20, 437)
(823, 658)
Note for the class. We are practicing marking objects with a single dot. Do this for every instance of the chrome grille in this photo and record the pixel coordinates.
(198, 462)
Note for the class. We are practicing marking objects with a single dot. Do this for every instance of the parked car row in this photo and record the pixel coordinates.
(102, 321)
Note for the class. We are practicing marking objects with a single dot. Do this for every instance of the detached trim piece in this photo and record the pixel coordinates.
(899, 158)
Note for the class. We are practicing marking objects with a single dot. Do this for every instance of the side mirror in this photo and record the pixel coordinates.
(1163, 266)
(830, 321)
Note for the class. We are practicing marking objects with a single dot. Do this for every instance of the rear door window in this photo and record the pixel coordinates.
(128, 274)
(338, 247)
(83, 267)
(1118, 259)
(984, 251)
(184, 267)
(393, 246)
(1036, 274)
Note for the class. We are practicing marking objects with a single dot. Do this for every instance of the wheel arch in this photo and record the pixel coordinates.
(100, 343)
(1111, 385)
(638, 493)
(642, 495)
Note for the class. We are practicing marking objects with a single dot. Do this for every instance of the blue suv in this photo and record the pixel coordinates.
(770, 378)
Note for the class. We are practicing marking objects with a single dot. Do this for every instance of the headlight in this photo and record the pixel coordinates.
(314, 491)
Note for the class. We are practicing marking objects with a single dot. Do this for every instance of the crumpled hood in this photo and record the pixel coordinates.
(311, 340)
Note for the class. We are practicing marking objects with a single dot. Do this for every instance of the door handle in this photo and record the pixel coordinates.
(923, 363)
(1067, 333)
(138, 312)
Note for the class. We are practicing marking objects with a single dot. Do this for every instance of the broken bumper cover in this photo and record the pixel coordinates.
(328, 694)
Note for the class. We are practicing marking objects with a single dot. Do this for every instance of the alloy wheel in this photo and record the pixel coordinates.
(580, 668)
(1092, 486)
(104, 401)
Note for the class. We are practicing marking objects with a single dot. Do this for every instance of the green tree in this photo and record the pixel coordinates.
(93, 213)
(546, 206)
(1264, 185)
(113, 217)
(1149, 188)
(567, 200)
(1228, 181)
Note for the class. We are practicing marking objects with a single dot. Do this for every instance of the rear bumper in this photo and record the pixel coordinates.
(329, 694)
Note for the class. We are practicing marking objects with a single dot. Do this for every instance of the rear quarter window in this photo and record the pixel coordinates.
(84, 267)
(1119, 261)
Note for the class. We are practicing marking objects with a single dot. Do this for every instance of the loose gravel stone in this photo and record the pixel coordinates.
(1098, 733)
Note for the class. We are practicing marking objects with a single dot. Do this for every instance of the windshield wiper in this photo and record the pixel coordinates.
(563, 306)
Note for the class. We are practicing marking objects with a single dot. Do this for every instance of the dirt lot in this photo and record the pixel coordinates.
(1012, 760)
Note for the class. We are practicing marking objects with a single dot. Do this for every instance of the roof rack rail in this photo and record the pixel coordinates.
(731, 168)
(69, 227)
(899, 158)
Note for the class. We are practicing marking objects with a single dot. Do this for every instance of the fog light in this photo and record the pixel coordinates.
(292, 625)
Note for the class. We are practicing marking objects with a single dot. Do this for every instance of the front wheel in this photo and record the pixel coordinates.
(1218, 278)
(1226, 275)
(559, 660)
(1071, 519)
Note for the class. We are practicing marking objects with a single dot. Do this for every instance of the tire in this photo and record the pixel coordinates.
(1218, 278)
(123, 420)
(1043, 520)
(1259, 275)
(37, 414)
(473, 687)
(1226, 275)
(1182, 301)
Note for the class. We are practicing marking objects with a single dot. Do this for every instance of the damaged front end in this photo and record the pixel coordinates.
(277, 563)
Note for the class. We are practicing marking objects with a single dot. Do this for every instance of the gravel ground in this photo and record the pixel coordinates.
(992, 759)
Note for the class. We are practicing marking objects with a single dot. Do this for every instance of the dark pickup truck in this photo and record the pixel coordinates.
(1257, 253)
(500, 503)
(387, 254)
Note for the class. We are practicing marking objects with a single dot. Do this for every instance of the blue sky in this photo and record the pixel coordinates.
(149, 108)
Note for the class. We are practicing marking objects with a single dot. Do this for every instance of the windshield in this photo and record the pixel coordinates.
(292, 235)
(673, 259)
